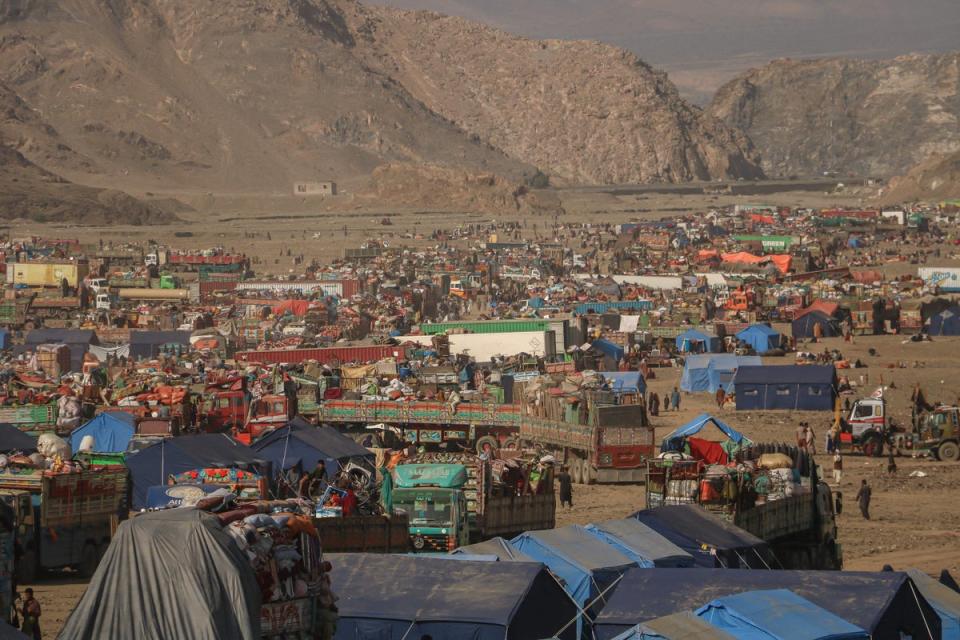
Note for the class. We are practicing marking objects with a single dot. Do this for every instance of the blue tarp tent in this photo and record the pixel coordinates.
(147, 344)
(111, 434)
(802, 327)
(625, 381)
(586, 565)
(497, 548)
(791, 387)
(300, 440)
(12, 439)
(609, 349)
(674, 440)
(156, 463)
(678, 626)
(394, 597)
(945, 323)
(710, 540)
(696, 341)
(639, 542)
(777, 614)
(710, 372)
(883, 603)
(943, 599)
(760, 337)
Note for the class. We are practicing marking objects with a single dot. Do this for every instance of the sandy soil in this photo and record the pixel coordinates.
(912, 524)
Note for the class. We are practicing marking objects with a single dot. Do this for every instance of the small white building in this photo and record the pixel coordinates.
(315, 189)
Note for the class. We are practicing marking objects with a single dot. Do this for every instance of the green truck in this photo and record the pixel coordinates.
(453, 504)
(31, 418)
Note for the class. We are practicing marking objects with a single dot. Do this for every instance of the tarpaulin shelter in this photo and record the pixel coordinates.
(781, 261)
(803, 326)
(625, 381)
(393, 596)
(761, 337)
(709, 372)
(776, 614)
(884, 604)
(111, 434)
(293, 307)
(943, 599)
(710, 540)
(9, 633)
(498, 548)
(612, 352)
(169, 574)
(790, 387)
(945, 323)
(697, 341)
(641, 543)
(148, 344)
(587, 566)
(79, 341)
(674, 440)
(308, 443)
(12, 439)
(677, 626)
(155, 464)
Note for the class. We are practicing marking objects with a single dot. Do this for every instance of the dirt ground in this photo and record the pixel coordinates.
(912, 525)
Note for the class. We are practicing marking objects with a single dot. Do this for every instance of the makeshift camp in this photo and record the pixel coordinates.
(761, 338)
(884, 604)
(641, 543)
(674, 441)
(12, 439)
(625, 382)
(791, 387)
(79, 341)
(943, 599)
(710, 540)
(150, 344)
(390, 596)
(802, 327)
(587, 566)
(945, 323)
(169, 574)
(697, 341)
(777, 614)
(496, 548)
(110, 434)
(612, 353)
(300, 440)
(155, 464)
(713, 371)
(677, 626)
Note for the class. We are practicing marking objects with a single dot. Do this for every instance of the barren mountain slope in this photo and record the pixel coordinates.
(935, 179)
(872, 117)
(582, 110)
(251, 95)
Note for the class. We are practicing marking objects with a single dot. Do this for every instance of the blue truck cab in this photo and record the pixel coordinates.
(433, 498)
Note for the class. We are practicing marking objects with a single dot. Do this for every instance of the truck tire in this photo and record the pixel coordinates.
(872, 445)
(948, 451)
(88, 561)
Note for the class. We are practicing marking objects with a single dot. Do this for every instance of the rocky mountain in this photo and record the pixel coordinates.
(937, 178)
(252, 95)
(870, 117)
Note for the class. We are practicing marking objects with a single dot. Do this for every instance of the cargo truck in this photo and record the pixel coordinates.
(31, 418)
(801, 528)
(63, 519)
(451, 505)
(47, 274)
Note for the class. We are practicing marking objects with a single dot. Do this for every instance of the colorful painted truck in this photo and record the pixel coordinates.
(32, 418)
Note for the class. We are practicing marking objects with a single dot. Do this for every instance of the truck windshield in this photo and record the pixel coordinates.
(424, 507)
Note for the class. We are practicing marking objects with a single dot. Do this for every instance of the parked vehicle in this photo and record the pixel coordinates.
(63, 519)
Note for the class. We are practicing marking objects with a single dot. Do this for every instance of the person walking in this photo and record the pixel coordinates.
(666, 402)
(837, 467)
(721, 396)
(811, 441)
(891, 463)
(654, 404)
(863, 499)
(31, 615)
(566, 488)
(675, 399)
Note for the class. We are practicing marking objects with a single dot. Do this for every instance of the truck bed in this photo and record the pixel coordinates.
(68, 498)
(370, 534)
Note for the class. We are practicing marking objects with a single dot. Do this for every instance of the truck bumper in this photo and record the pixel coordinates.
(615, 476)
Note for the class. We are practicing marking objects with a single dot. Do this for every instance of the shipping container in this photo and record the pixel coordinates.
(947, 278)
(483, 346)
(329, 355)
(559, 327)
(619, 305)
(154, 294)
(47, 274)
(210, 287)
(342, 288)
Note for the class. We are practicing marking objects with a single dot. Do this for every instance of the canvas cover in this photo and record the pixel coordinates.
(494, 547)
(881, 603)
(9, 633)
(625, 381)
(790, 387)
(945, 323)
(674, 439)
(308, 443)
(696, 341)
(677, 626)
(110, 434)
(760, 337)
(169, 574)
(943, 599)
(393, 596)
(709, 372)
(640, 543)
(776, 614)
(147, 343)
(802, 327)
(12, 439)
